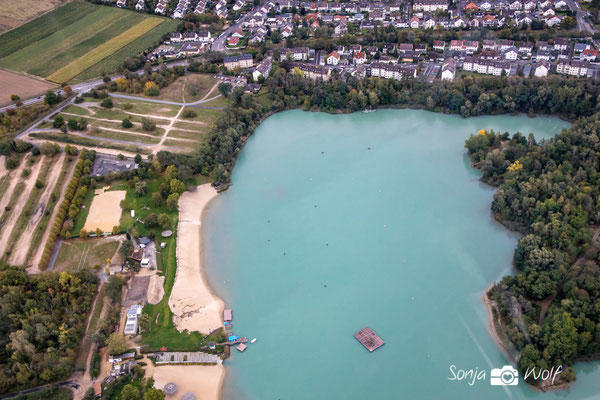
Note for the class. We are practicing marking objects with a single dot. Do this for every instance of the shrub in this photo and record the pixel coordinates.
(151, 89)
(189, 114)
(126, 123)
(11, 162)
(148, 124)
(107, 103)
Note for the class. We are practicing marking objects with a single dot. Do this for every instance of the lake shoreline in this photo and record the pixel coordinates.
(194, 304)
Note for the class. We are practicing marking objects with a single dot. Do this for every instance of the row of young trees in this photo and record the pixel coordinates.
(43, 320)
(71, 204)
(549, 192)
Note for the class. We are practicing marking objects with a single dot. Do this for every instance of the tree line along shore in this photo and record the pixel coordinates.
(556, 231)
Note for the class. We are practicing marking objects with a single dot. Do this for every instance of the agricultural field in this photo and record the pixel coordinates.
(21, 85)
(80, 39)
(16, 13)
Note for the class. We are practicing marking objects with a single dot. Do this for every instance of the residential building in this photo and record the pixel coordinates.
(239, 61)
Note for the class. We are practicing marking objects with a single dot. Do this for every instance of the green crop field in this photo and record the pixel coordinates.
(80, 39)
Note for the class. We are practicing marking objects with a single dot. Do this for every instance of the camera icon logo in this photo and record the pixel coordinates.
(505, 376)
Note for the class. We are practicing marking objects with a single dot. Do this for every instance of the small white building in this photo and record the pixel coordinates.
(541, 69)
(131, 326)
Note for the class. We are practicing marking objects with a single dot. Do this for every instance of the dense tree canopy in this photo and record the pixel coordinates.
(550, 192)
(43, 319)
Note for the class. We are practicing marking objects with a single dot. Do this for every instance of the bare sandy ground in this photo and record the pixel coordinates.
(195, 307)
(204, 381)
(156, 289)
(105, 211)
(20, 252)
(21, 202)
(21, 85)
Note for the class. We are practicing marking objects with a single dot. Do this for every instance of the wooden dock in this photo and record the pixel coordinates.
(237, 341)
(369, 339)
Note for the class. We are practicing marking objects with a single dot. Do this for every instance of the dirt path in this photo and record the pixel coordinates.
(14, 179)
(85, 380)
(172, 122)
(34, 269)
(16, 212)
(212, 89)
(20, 252)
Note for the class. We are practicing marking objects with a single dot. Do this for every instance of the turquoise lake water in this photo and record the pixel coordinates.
(339, 222)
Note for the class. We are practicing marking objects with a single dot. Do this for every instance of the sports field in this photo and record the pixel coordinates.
(80, 37)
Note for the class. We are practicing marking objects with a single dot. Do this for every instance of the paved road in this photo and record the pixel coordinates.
(581, 16)
(219, 43)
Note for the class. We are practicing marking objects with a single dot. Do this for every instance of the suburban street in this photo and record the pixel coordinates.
(581, 16)
(219, 43)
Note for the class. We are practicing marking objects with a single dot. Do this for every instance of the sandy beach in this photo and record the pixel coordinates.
(204, 381)
(195, 307)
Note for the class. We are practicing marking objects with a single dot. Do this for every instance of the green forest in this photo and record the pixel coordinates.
(549, 192)
(43, 319)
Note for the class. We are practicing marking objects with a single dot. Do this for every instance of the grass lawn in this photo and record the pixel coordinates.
(218, 102)
(77, 110)
(180, 146)
(264, 97)
(82, 141)
(118, 115)
(130, 137)
(79, 221)
(141, 107)
(204, 115)
(94, 123)
(77, 254)
(186, 135)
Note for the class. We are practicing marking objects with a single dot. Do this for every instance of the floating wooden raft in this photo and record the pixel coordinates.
(369, 339)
